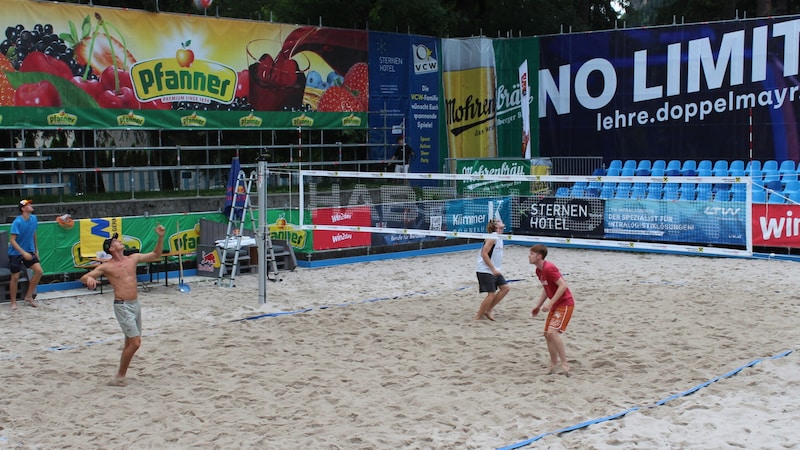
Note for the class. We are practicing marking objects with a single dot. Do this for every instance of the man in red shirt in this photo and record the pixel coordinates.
(557, 299)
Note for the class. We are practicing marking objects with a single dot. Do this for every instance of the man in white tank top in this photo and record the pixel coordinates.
(489, 270)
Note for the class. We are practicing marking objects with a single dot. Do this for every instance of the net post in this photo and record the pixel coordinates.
(261, 234)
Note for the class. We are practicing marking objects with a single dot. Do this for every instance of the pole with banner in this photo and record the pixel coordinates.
(525, 97)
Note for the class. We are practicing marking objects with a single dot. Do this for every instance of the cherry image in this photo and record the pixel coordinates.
(91, 87)
(242, 84)
(42, 93)
(124, 98)
(39, 62)
(111, 76)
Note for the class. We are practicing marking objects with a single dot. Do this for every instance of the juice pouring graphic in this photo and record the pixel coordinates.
(470, 105)
(278, 82)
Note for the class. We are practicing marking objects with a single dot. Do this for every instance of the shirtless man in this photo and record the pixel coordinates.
(120, 271)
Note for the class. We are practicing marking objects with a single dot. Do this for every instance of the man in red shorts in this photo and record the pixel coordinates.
(557, 299)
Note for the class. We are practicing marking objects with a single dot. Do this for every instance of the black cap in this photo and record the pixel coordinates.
(107, 242)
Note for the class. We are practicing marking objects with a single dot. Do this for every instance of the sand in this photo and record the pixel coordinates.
(386, 355)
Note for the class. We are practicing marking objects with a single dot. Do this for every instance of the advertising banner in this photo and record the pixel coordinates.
(679, 92)
(493, 167)
(568, 217)
(75, 66)
(352, 216)
(404, 84)
(470, 106)
(776, 225)
(472, 215)
(512, 103)
(702, 223)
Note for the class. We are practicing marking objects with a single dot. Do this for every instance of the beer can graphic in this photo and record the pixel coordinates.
(470, 88)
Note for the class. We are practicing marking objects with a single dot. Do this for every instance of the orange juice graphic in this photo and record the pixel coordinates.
(469, 90)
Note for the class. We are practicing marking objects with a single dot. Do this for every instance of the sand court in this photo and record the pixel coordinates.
(386, 354)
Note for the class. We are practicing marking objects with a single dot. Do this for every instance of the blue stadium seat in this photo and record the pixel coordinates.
(580, 185)
(562, 192)
(759, 196)
(773, 185)
(739, 196)
(672, 194)
(644, 164)
(704, 173)
(607, 191)
(719, 173)
(736, 164)
(788, 176)
(615, 164)
(659, 172)
(628, 172)
(659, 164)
(639, 191)
(630, 164)
(598, 172)
(722, 196)
(720, 165)
(756, 174)
(689, 168)
(655, 193)
(577, 192)
(642, 172)
(622, 192)
(736, 172)
(794, 197)
(674, 165)
(753, 165)
(704, 164)
(613, 172)
(704, 195)
(787, 166)
(792, 185)
(776, 197)
(770, 165)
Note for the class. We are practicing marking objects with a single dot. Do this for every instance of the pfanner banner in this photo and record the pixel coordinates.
(681, 92)
(75, 66)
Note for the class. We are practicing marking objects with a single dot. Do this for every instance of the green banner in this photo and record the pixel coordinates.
(492, 166)
(510, 54)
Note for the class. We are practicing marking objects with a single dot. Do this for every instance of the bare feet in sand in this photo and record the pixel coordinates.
(554, 370)
(31, 302)
(14, 306)
(489, 316)
(118, 382)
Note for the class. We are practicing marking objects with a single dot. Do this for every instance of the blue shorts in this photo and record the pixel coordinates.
(15, 262)
(129, 316)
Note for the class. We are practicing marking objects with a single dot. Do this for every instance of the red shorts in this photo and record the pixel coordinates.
(558, 318)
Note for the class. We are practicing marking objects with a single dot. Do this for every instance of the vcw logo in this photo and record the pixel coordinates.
(424, 59)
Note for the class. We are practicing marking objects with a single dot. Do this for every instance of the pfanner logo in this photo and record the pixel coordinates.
(166, 79)
(424, 59)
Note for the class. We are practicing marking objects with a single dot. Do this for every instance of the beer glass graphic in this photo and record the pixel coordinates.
(470, 104)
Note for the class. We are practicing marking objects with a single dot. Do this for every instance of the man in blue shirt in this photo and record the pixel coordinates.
(24, 250)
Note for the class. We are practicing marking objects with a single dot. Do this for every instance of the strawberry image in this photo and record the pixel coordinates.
(338, 99)
(6, 90)
(357, 81)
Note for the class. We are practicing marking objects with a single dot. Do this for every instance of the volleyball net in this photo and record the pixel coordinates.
(700, 215)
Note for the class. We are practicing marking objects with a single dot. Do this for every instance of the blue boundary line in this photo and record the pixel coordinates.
(636, 408)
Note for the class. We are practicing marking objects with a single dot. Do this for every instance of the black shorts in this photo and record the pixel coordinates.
(15, 262)
(488, 282)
